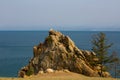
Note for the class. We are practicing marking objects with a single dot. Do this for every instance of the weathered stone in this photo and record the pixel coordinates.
(40, 72)
(21, 74)
(59, 52)
(106, 74)
(49, 70)
(66, 70)
(35, 51)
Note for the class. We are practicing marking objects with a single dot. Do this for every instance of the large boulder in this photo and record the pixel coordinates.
(59, 52)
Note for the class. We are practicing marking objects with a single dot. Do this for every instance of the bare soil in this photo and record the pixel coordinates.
(59, 76)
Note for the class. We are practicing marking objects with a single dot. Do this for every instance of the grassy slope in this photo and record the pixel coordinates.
(59, 76)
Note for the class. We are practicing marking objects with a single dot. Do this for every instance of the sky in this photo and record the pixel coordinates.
(60, 14)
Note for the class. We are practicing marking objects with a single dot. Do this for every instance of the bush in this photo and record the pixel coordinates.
(30, 71)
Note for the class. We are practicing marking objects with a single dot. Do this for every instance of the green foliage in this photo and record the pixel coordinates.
(30, 71)
(100, 47)
(92, 61)
(114, 58)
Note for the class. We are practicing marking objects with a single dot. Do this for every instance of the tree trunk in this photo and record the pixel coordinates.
(101, 71)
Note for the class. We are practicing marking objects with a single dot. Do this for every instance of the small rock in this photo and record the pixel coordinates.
(40, 72)
(49, 70)
(106, 74)
(66, 70)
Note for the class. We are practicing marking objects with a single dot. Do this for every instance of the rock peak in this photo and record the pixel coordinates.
(53, 32)
(59, 52)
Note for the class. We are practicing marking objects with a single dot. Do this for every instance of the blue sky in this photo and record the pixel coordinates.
(60, 14)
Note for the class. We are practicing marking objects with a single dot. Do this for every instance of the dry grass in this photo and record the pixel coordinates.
(59, 76)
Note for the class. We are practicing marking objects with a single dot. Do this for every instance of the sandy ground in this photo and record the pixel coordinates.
(59, 76)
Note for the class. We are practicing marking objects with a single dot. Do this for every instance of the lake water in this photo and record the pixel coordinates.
(16, 47)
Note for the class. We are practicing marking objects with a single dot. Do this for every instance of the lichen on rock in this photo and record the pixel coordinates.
(59, 52)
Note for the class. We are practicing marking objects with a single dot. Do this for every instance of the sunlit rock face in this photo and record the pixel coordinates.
(59, 52)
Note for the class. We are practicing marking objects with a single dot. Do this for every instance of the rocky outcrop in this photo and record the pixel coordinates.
(59, 52)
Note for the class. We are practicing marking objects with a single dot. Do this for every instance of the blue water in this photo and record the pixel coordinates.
(16, 47)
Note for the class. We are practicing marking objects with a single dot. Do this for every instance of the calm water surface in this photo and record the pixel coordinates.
(16, 47)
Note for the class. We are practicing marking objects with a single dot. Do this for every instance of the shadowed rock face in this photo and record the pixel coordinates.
(59, 52)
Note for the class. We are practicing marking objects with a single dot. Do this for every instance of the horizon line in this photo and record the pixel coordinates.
(62, 30)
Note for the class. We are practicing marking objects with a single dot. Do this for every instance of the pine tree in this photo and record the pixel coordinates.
(100, 47)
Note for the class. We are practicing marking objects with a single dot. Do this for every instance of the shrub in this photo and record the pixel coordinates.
(30, 71)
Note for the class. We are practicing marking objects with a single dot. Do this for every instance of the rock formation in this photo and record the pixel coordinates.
(59, 52)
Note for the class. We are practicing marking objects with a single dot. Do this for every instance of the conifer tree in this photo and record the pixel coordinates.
(100, 47)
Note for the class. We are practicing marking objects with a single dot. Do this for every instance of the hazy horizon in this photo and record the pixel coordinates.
(69, 15)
